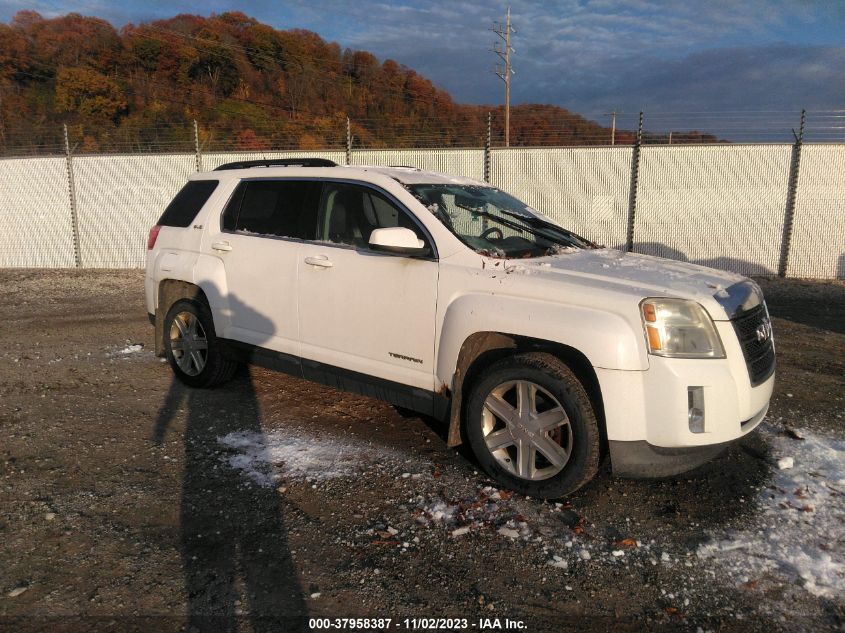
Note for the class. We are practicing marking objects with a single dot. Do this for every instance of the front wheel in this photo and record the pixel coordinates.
(191, 345)
(532, 426)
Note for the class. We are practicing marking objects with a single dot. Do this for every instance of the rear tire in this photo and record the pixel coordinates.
(531, 425)
(192, 348)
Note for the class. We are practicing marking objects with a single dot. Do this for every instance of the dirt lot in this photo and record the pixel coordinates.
(130, 503)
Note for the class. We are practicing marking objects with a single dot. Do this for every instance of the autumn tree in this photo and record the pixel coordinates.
(250, 85)
(88, 93)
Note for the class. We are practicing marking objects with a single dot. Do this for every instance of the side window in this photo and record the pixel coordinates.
(187, 203)
(351, 212)
(281, 208)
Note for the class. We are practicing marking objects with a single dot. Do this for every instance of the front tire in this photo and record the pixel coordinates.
(532, 427)
(192, 348)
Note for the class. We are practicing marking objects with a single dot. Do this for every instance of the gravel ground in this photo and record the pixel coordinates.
(128, 502)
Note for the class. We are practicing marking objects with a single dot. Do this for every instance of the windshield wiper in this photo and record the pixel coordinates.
(527, 226)
(535, 221)
(496, 218)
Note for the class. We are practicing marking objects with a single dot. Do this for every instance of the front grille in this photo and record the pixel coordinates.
(759, 354)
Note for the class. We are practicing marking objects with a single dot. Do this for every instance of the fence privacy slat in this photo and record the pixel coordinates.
(36, 227)
(584, 189)
(719, 205)
(818, 230)
(459, 162)
(119, 198)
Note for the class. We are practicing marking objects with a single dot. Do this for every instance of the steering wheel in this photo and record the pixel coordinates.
(493, 229)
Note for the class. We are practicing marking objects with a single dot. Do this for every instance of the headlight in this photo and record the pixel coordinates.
(679, 328)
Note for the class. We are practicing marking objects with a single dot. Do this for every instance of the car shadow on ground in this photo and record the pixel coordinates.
(234, 543)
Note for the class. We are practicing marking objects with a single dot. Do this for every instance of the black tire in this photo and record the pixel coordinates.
(578, 436)
(216, 369)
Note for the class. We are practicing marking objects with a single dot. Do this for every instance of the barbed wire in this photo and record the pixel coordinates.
(329, 133)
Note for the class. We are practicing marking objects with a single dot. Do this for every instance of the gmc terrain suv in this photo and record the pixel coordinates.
(450, 297)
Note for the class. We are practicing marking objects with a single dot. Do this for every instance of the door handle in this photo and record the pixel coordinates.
(221, 246)
(319, 260)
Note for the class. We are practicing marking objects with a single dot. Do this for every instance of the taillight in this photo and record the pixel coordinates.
(151, 240)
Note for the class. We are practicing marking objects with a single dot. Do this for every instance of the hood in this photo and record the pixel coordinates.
(644, 274)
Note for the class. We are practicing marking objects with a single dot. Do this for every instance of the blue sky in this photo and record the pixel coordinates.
(587, 55)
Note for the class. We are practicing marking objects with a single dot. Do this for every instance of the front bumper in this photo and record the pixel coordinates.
(641, 459)
(648, 418)
(653, 405)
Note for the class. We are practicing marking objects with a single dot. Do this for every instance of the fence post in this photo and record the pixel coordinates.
(487, 143)
(198, 154)
(791, 194)
(77, 254)
(632, 194)
(348, 142)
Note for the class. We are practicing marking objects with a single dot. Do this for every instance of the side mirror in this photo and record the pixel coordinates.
(398, 240)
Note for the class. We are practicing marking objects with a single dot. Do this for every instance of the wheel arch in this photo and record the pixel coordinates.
(480, 350)
(169, 292)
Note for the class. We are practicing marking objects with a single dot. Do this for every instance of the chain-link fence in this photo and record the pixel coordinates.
(751, 208)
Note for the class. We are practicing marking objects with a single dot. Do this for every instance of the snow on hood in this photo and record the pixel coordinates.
(654, 276)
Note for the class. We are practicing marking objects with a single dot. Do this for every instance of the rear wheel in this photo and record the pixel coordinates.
(532, 427)
(191, 345)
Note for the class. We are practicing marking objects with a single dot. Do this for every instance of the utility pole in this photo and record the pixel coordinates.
(505, 72)
(612, 116)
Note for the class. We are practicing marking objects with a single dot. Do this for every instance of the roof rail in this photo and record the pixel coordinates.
(278, 162)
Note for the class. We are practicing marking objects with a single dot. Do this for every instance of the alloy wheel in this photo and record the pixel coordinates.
(188, 343)
(526, 430)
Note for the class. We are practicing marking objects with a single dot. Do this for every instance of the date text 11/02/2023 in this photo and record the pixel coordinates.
(416, 624)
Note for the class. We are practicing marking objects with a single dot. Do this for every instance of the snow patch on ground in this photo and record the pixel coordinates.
(266, 458)
(800, 533)
(131, 351)
(488, 510)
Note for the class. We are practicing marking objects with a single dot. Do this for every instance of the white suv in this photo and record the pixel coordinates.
(449, 297)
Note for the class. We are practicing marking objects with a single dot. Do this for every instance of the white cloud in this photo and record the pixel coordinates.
(583, 54)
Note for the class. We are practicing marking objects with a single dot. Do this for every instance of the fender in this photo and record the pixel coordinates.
(607, 339)
(168, 292)
(210, 275)
(476, 323)
(209, 286)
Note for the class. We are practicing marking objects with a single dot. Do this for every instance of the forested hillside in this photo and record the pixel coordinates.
(249, 85)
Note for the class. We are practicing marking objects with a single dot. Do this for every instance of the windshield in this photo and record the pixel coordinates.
(494, 223)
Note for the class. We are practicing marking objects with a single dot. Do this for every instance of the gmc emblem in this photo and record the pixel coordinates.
(764, 331)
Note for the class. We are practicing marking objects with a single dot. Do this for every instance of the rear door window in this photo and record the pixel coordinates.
(277, 208)
(187, 203)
